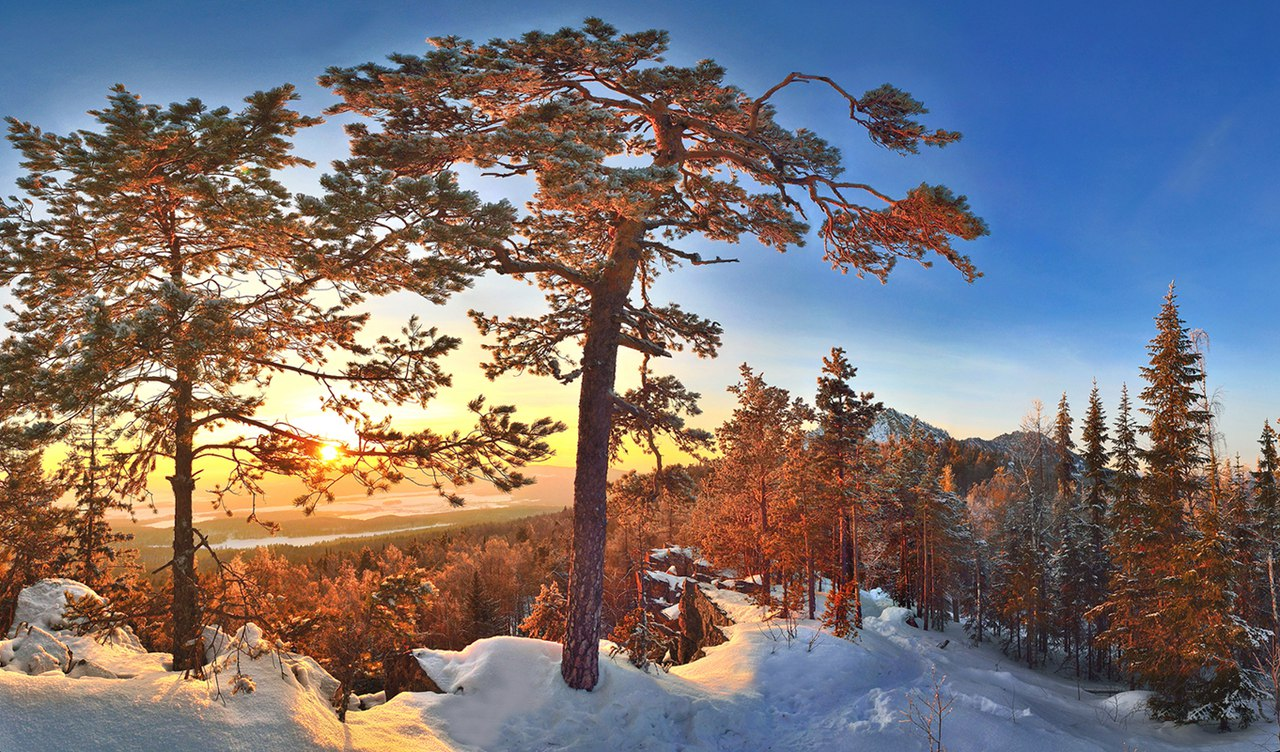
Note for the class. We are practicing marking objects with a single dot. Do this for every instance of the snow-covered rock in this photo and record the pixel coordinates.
(35, 651)
(44, 604)
(250, 644)
(82, 667)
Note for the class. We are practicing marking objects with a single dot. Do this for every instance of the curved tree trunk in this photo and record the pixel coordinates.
(580, 663)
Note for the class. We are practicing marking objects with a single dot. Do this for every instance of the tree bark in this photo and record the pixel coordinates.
(581, 657)
(765, 581)
(808, 564)
(186, 626)
(856, 580)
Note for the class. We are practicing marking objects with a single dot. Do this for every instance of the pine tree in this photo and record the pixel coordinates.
(844, 418)
(546, 620)
(561, 108)
(95, 545)
(163, 278)
(806, 520)
(33, 527)
(747, 484)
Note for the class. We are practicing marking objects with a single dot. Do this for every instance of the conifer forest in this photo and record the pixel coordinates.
(618, 379)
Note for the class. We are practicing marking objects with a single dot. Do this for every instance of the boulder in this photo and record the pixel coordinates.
(44, 604)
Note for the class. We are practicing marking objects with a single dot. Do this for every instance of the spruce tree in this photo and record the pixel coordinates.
(95, 546)
(635, 161)
(1178, 422)
(34, 540)
(1095, 492)
(844, 418)
(1129, 590)
(1173, 602)
(1094, 471)
(1070, 562)
(546, 618)
(1266, 490)
(1065, 470)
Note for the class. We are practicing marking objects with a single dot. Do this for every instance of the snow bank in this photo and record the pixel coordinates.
(505, 693)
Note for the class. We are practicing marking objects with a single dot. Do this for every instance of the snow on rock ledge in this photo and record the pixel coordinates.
(34, 651)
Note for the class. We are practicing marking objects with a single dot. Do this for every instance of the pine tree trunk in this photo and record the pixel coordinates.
(808, 562)
(580, 663)
(186, 621)
(855, 579)
(765, 580)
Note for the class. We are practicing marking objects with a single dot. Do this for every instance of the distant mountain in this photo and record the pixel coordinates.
(1007, 443)
(973, 460)
(892, 424)
(895, 424)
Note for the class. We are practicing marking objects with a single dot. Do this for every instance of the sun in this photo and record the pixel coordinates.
(329, 452)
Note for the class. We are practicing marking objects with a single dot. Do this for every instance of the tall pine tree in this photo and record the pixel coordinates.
(634, 161)
(163, 278)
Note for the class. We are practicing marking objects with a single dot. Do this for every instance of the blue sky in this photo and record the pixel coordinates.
(1111, 147)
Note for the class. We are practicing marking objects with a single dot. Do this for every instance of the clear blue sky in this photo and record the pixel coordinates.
(1112, 147)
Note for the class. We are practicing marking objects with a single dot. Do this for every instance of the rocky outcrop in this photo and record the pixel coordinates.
(402, 672)
(677, 606)
(700, 623)
(35, 651)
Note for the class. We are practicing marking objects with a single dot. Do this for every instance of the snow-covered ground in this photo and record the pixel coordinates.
(758, 691)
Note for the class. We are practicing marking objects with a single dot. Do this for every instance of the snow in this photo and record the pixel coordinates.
(658, 554)
(672, 581)
(764, 689)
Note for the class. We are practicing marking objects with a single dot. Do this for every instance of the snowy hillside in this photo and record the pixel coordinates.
(758, 691)
(892, 424)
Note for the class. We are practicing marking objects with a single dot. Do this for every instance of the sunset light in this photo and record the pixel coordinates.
(329, 452)
(610, 377)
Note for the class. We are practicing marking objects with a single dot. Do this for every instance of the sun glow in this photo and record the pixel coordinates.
(329, 452)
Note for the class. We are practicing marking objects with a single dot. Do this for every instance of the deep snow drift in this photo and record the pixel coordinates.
(758, 691)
